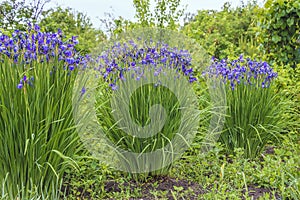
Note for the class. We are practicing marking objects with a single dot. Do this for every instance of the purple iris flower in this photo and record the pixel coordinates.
(234, 71)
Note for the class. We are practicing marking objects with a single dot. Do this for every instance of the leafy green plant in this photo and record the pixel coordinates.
(37, 132)
(273, 175)
(279, 31)
(140, 106)
(73, 23)
(88, 180)
(141, 110)
(166, 13)
(219, 31)
(256, 114)
(15, 14)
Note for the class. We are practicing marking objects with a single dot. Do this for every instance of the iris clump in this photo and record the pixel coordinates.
(38, 138)
(255, 112)
(129, 57)
(129, 66)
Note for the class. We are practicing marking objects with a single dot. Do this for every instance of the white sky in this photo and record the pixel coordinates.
(124, 8)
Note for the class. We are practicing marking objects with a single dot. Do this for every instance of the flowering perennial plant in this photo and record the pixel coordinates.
(131, 58)
(255, 113)
(34, 45)
(36, 125)
(142, 74)
(249, 72)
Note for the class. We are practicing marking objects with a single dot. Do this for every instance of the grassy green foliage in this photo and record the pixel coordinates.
(37, 133)
(139, 106)
(256, 116)
(256, 113)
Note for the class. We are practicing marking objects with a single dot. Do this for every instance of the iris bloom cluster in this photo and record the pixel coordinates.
(34, 45)
(131, 58)
(249, 72)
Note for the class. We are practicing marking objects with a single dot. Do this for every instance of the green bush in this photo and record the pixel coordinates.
(73, 23)
(279, 31)
(219, 32)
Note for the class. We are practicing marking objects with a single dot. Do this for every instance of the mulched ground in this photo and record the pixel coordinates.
(255, 192)
(164, 183)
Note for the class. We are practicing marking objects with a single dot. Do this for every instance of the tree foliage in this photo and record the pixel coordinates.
(166, 13)
(73, 23)
(163, 14)
(279, 34)
(15, 14)
(221, 32)
(280, 31)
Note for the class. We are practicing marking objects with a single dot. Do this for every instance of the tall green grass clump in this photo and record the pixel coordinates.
(256, 114)
(37, 134)
(144, 105)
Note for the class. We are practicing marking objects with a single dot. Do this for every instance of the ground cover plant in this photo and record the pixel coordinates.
(272, 175)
